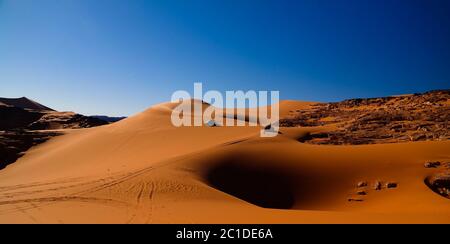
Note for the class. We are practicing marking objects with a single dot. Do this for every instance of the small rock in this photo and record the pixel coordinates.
(418, 137)
(377, 185)
(432, 164)
(362, 193)
(354, 200)
(362, 184)
(391, 185)
(444, 192)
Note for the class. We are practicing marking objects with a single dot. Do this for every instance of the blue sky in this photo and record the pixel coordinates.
(120, 57)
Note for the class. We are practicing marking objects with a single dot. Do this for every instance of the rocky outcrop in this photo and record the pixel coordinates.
(22, 113)
(65, 120)
(416, 117)
(25, 123)
(14, 143)
(13, 117)
(440, 183)
(434, 164)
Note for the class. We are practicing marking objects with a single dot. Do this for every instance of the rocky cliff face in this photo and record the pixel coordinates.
(416, 117)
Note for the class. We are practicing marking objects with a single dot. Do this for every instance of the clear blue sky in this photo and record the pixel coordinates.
(119, 57)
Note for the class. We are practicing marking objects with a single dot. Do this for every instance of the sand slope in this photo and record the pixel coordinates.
(144, 170)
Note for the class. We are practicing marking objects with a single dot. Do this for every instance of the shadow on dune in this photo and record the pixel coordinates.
(269, 178)
(260, 185)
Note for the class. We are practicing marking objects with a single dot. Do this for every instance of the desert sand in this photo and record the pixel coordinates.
(144, 170)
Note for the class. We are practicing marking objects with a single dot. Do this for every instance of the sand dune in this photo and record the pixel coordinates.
(144, 170)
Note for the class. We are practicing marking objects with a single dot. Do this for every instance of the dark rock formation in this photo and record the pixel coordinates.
(432, 164)
(417, 117)
(14, 143)
(25, 123)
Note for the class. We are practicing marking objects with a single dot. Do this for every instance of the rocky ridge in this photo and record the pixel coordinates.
(417, 117)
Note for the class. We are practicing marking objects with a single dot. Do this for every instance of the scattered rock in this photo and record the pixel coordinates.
(378, 120)
(418, 137)
(377, 185)
(362, 184)
(354, 200)
(434, 164)
(362, 193)
(65, 120)
(444, 192)
(391, 185)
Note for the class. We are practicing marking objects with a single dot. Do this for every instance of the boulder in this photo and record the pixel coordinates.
(377, 185)
(361, 193)
(391, 185)
(362, 184)
(434, 164)
(354, 200)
